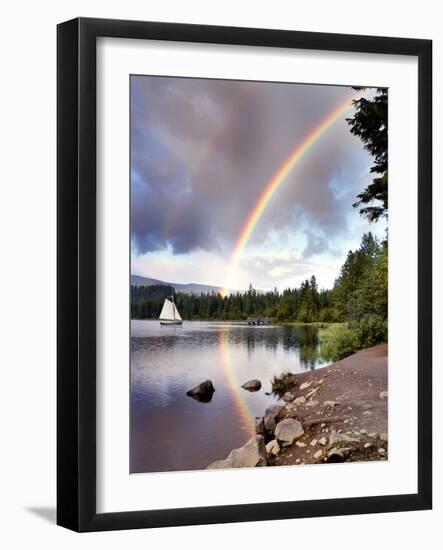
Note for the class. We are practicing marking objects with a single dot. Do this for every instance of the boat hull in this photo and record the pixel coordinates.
(171, 322)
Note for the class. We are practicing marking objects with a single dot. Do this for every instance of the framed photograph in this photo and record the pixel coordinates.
(244, 274)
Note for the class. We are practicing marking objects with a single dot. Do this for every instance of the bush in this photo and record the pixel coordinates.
(280, 383)
(371, 330)
(339, 342)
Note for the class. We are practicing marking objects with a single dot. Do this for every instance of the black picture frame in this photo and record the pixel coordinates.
(76, 266)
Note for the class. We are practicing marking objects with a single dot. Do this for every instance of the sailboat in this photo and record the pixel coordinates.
(169, 314)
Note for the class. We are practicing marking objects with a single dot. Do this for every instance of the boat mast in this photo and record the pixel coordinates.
(173, 305)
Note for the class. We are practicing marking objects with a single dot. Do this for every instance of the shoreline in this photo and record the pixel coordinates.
(316, 324)
(337, 413)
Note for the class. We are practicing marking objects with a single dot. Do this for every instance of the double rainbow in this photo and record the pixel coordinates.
(274, 184)
(209, 146)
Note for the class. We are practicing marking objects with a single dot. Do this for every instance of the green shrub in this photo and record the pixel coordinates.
(371, 330)
(280, 383)
(338, 342)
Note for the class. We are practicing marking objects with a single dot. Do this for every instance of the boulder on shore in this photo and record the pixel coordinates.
(203, 392)
(337, 455)
(252, 385)
(288, 430)
(273, 448)
(288, 396)
(252, 454)
(270, 415)
(259, 425)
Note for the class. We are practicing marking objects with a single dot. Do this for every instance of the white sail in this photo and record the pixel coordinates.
(177, 314)
(167, 312)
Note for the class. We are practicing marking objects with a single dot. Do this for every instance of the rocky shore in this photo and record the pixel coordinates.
(334, 414)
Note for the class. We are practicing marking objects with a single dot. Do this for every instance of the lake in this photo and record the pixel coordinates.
(171, 431)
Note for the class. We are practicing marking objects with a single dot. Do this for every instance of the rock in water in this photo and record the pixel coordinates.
(252, 454)
(252, 385)
(288, 430)
(203, 392)
(270, 414)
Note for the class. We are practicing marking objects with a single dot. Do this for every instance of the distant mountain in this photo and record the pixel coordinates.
(189, 288)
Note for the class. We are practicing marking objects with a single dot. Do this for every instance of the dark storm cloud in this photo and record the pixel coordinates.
(202, 150)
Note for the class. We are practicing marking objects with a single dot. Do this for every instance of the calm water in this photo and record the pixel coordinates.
(171, 431)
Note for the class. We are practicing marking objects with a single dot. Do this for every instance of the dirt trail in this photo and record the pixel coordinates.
(348, 397)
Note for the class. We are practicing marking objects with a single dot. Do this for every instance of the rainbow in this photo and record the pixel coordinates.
(274, 184)
(208, 147)
(243, 412)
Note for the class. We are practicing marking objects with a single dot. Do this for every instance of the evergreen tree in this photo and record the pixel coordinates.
(370, 124)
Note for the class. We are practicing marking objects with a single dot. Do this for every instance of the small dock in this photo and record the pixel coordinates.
(258, 321)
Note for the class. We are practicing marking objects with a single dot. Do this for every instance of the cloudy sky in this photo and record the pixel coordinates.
(202, 151)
